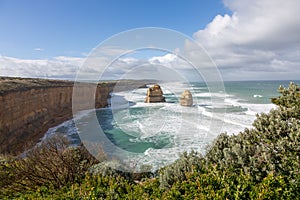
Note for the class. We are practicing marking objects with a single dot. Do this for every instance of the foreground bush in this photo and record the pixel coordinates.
(212, 183)
(52, 164)
(258, 163)
(272, 146)
(260, 160)
(176, 172)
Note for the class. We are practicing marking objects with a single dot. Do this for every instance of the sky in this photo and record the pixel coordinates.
(246, 39)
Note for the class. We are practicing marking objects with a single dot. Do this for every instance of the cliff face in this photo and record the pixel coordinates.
(29, 107)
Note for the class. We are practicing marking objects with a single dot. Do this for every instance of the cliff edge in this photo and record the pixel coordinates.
(29, 107)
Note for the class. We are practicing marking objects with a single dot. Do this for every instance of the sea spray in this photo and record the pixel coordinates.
(160, 132)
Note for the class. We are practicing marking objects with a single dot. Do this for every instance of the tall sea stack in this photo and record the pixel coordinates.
(155, 95)
(186, 98)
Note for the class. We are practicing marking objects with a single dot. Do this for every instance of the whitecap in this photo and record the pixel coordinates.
(257, 96)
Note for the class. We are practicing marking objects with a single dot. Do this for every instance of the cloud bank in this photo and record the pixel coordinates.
(259, 40)
(59, 67)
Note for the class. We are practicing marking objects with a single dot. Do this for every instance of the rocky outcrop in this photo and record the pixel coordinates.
(186, 98)
(155, 95)
(29, 107)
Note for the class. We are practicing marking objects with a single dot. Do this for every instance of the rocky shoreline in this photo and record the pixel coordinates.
(29, 107)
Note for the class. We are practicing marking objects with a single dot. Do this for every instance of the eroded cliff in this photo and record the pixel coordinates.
(29, 107)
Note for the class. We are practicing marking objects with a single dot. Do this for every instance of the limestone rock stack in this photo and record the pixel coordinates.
(155, 95)
(186, 98)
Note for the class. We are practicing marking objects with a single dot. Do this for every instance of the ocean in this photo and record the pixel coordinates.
(156, 134)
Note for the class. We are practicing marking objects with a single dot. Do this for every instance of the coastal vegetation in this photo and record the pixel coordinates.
(262, 162)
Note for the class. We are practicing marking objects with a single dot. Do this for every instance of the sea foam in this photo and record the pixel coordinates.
(181, 128)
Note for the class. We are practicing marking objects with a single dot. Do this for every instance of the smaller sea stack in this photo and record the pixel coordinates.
(186, 98)
(155, 95)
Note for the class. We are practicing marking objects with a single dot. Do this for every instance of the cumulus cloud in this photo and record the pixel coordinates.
(156, 67)
(166, 59)
(168, 67)
(63, 67)
(259, 40)
(260, 36)
(59, 67)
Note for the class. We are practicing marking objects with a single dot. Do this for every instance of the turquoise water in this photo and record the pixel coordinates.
(157, 133)
(255, 91)
(127, 140)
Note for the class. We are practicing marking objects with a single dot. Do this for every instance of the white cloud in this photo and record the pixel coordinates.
(171, 61)
(260, 36)
(38, 49)
(166, 67)
(77, 61)
(59, 67)
(259, 40)
(166, 59)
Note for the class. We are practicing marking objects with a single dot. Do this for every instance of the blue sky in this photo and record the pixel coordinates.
(73, 27)
(247, 39)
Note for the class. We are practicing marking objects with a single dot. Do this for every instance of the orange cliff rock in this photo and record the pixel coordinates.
(155, 95)
(29, 107)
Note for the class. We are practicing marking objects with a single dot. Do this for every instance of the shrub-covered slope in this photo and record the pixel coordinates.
(258, 163)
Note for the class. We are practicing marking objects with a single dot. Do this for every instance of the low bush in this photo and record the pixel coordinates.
(258, 163)
(52, 164)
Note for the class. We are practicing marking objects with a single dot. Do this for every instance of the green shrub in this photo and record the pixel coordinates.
(271, 146)
(176, 171)
(53, 164)
(258, 163)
